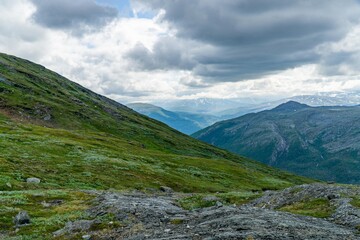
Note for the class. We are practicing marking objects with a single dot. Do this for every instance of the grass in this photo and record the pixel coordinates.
(320, 208)
(44, 219)
(95, 160)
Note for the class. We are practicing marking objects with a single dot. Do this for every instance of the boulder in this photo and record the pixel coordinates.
(33, 180)
(22, 218)
(166, 189)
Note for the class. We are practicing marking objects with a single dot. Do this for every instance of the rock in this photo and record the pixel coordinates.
(22, 218)
(33, 180)
(52, 203)
(166, 189)
(47, 117)
(76, 226)
(211, 199)
(333, 196)
(86, 237)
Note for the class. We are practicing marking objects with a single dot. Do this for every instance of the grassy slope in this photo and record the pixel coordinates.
(72, 138)
(93, 142)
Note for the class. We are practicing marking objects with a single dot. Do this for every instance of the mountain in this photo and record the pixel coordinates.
(210, 106)
(320, 99)
(187, 123)
(321, 142)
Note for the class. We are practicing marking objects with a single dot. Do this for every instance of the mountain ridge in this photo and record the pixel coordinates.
(310, 141)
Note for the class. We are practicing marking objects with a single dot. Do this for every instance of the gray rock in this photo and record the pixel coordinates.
(86, 237)
(22, 218)
(33, 180)
(157, 217)
(211, 198)
(74, 227)
(166, 189)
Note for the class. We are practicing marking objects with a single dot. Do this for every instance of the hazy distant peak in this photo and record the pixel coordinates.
(291, 105)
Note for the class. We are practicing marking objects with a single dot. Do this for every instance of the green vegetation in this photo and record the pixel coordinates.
(320, 208)
(45, 219)
(199, 200)
(74, 139)
(355, 202)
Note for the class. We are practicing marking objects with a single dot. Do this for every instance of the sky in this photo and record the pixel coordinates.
(156, 50)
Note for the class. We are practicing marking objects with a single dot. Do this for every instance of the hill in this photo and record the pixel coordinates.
(310, 141)
(70, 137)
(184, 122)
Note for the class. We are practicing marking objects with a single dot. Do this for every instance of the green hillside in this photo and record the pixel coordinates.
(70, 137)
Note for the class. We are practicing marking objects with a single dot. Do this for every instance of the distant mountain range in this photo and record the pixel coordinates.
(321, 142)
(235, 107)
(211, 106)
(191, 115)
(185, 122)
(320, 99)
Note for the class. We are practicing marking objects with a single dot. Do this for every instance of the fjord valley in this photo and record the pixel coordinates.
(309, 141)
(184, 122)
(73, 139)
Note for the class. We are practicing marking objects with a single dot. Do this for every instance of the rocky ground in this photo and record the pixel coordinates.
(141, 216)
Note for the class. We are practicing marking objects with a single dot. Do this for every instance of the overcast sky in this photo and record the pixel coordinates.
(145, 50)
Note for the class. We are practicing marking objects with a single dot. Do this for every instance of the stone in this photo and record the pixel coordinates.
(166, 189)
(211, 199)
(76, 226)
(22, 218)
(333, 196)
(33, 180)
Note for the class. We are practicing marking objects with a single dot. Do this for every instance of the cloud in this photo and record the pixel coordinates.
(190, 49)
(193, 82)
(169, 53)
(250, 39)
(76, 16)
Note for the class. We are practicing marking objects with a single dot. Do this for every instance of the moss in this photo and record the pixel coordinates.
(320, 208)
(44, 219)
(194, 202)
(176, 221)
(198, 201)
(355, 202)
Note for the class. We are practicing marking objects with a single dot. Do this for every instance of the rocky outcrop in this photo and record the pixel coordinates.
(338, 195)
(159, 217)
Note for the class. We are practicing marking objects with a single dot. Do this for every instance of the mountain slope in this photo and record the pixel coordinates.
(182, 121)
(70, 137)
(321, 142)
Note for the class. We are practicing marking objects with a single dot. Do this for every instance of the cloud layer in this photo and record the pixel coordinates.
(189, 49)
(248, 39)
